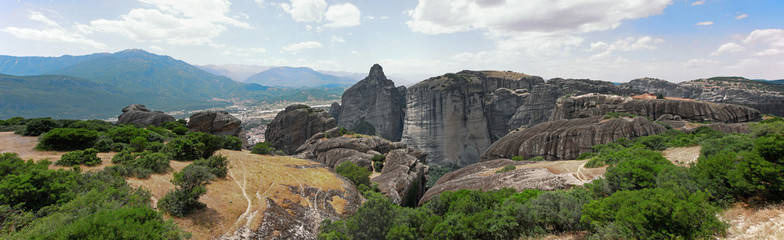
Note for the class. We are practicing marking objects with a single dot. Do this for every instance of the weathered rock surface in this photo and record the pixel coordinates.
(537, 108)
(219, 123)
(590, 105)
(404, 174)
(567, 139)
(446, 116)
(499, 108)
(374, 100)
(138, 114)
(483, 176)
(764, 96)
(583, 86)
(296, 124)
(334, 110)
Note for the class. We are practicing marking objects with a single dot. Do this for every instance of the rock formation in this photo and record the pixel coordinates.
(600, 104)
(668, 89)
(483, 176)
(499, 108)
(374, 101)
(583, 86)
(294, 125)
(334, 110)
(447, 118)
(404, 174)
(216, 122)
(537, 108)
(567, 139)
(138, 114)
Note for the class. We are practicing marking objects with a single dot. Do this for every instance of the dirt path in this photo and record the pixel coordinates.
(574, 167)
(755, 223)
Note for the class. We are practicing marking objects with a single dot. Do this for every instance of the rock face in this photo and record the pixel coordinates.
(403, 177)
(483, 176)
(499, 108)
(764, 96)
(294, 125)
(375, 101)
(599, 104)
(215, 122)
(446, 116)
(138, 114)
(567, 139)
(537, 108)
(334, 110)
(583, 86)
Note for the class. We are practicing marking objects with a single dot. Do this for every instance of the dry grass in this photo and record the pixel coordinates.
(746, 222)
(682, 156)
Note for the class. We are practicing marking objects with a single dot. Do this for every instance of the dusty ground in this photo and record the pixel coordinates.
(575, 167)
(746, 222)
(682, 156)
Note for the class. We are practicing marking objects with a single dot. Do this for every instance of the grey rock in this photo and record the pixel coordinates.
(215, 122)
(403, 177)
(583, 86)
(334, 110)
(499, 108)
(296, 124)
(446, 115)
(138, 114)
(537, 108)
(567, 139)
(482, 176)
(374, 100)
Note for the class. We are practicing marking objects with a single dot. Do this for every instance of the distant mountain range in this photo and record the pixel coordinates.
(99, 85)
(297, 77)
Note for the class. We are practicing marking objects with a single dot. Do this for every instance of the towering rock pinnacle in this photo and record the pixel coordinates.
(374, 106)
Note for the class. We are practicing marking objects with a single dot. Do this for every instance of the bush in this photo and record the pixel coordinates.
(558, 211)
(126, 133)
(119, 147)
(184, 149)
(637, 171)
(232, 143)
(728, 143)
(154, 146)
(771, 147)
(653, 214)
(358, 175)
(262, 148)
(87, 157)
(518, 158)
(378, 162)
(172, 125)
(437, 172)
(155, 162)
(280, 153)
(95, 125)
(65, 139)
(138, 144)
(217, 164)
(180, 130)
(103, 145)
(123, 157)
(190, 186)
(760, 178)
(209, 143)
(767, 127)
(653, 142)
(38, 126)
(506, 169)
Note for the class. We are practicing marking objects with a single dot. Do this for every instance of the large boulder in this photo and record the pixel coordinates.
(403, 176)
(138, 114)
(483, 176)
(294, 125)
(447, 117)
(590, 105)
(215, 122)
(374, 105)
(567, 139)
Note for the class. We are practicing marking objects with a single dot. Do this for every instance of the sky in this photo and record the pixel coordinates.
(611, 40)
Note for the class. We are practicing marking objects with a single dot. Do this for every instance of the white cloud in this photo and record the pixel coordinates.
(768, 42)
(260, 3)
(295, 47)
(727, 48)
(305, 10)
(706, 23)
(699, 2)
(506, 17)
(172, 21)
(342, 15)
(156, 48)
(53, 32)
(741, 16)
(628, 44)
(700, 63)
(337, 39)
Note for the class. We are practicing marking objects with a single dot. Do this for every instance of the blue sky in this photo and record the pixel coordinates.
(614, 40)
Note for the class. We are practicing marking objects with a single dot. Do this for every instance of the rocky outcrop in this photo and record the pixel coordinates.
(499, 108)
(583, 86)
(215, 122)
(537, 108)
(567, 139)
(483, 176)
(138, 114)
(334, 110)
(403, 176)
(665, 88)
(590, 105)
(446, 116)
(296, 124)
(375, 101)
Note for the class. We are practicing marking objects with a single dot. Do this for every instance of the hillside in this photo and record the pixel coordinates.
(237, 72)
(298, 77)
(24, 66)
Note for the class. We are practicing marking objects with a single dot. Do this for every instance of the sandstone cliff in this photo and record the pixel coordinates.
(567, 139)
(375, 101)
(294, 125)
(448, 119)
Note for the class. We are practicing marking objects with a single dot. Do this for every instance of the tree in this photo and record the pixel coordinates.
(190, 186)
(358, 175)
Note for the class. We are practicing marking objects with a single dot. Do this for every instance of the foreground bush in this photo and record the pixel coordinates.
(190, 186)
(217, 164)
(87, 157)
(184, 149)
(66, 139)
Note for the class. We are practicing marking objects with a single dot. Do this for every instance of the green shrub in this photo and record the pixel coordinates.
(280, 153)
(518, 158)
(232, 143)
(180, 130)
(190, 186)
(87, 157)
(103, 145)
(127, 222)
(506, 169)
(123, 157)
(138, 144)
(13, 121)
(154, 146)
(378, 162)
(209, 143)
(760, 178)
(437, 172)
(31, 185)
(717, 175)
(728, 143)
(38, 126)
(262, 148)
(358, 175)
(184, 149)
(558, 211)
(119, 147)
(95, 125)
(217, 164)
(537, 159)
(653, 142)
(771, 147)
(172, 125)
(155, 162)
(636, 171)
(65, 139)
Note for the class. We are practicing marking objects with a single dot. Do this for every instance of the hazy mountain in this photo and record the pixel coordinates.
(25, 66)
(237, 72)
(58, 97)
(298, 77)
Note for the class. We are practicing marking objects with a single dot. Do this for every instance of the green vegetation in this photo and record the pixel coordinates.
(189, 184)
(65, 139)
(217, 164)
(378, 162)
(436, 172)
(87, 157)
(358, 175)
(36, 127)
(140, 165)
(263, 148)
(39, 203)
(518, 158)
(506, 169)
